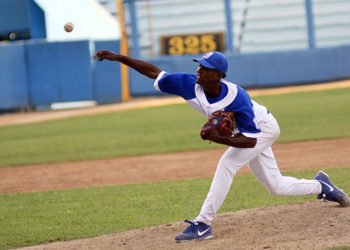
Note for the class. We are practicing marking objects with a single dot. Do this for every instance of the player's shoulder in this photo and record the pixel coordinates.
(232, 88)
(230, 85)
(240, 91)
(240, 98)
(180, 75)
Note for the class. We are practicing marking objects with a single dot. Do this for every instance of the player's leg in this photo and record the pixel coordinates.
(232, 160)
(264, 165)
(265, 168)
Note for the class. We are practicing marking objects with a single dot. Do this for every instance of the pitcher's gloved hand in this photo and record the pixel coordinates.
(220, 122)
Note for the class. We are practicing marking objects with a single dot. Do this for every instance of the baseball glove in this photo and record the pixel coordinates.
(220, 121)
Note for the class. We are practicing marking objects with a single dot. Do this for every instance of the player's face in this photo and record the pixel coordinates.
(209, 79)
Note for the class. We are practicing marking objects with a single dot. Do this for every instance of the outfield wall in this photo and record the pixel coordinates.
(38, 73)
(264, 69)
(58, 72)
(13, 77)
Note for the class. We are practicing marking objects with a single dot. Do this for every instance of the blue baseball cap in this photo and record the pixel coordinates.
(214, 60)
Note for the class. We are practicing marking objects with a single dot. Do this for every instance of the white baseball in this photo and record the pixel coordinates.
(68, 27)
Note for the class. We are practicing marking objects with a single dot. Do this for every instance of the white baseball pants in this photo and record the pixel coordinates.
(262, 162)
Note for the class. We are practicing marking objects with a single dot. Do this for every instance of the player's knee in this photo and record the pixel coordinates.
(276, 132)
(276, 192)
(276, 189)
(228, 165)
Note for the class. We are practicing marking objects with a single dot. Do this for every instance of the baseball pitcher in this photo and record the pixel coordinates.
(234, 119)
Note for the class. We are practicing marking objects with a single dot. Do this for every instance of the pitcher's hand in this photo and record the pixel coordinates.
(105, 55)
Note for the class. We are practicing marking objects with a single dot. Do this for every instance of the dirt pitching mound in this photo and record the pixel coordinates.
(310, 225)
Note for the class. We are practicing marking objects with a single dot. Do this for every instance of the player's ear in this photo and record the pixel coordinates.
(220, 75)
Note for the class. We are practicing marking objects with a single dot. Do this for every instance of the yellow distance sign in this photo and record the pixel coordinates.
(192, 43)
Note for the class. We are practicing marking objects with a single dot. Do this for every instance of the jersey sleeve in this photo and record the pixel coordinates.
(179, 84)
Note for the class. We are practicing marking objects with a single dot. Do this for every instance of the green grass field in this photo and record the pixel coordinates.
(302, 116)
(34, 218)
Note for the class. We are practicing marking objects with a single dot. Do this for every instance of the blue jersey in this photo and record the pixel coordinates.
(232, 98)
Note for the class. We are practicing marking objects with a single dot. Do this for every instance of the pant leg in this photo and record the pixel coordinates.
(231, 161)
(265, 168)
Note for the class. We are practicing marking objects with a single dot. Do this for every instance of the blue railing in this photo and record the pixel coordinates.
(269, 26)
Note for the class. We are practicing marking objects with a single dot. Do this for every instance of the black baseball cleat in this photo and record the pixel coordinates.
(195, 231)
(331, 192)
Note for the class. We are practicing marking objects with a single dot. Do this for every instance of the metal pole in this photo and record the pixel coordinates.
(229, 27)
(135, 51)
(310, 24)
(243, 25)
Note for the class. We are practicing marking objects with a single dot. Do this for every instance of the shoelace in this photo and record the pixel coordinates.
(192, 224)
